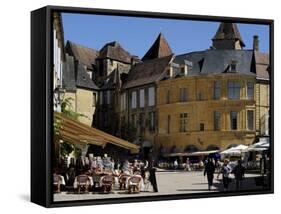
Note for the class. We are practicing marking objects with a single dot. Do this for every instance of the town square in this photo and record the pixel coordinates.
(164, 120)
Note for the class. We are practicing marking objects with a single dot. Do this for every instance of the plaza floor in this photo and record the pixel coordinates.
(169, 182)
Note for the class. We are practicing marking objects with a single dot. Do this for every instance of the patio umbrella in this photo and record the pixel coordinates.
(260, 146)
(237, 150)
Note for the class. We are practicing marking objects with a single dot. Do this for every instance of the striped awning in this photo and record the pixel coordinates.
(76, 132)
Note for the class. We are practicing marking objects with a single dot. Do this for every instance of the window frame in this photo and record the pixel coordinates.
(202, 127)
(183, 122)
(151, 101)
(253, 120)
(233, 90)
(133, 99)
(168, 124)
(252, 89)
(217, 121)
(232, 125)
(217, 88)
(142, 98)
(183, 95)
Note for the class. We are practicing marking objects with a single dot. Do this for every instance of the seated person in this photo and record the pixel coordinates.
(126, 169)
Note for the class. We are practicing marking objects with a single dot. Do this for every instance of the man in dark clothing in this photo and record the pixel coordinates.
(152, 179)
(210, 170)
(239, 172)
(152, 174)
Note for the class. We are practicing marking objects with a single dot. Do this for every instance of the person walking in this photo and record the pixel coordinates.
(152, 171)
(187, 165)
(239, 173)
(176, 164)
(225, 171)
(209, 170)
(152, 178)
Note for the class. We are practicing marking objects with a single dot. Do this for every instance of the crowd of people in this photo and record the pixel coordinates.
(211, 166)
(105, 172)
(102, 172)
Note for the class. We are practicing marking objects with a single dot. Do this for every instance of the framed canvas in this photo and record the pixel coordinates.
(134, 106)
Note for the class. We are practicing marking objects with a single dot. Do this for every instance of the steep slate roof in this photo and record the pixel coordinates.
(261, 65)
(83, 79)
(75, 76)
(160, 48)
(228, 31)
(113, 50)
(217, 61)
(83, 54)
(147, 72)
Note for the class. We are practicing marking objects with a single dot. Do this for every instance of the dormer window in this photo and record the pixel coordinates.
(233, 66)
(174, 70)
(186, 68)
(170, 72)
(183, 70)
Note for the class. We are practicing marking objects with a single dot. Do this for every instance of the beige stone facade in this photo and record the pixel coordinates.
(200, 107)
(83, 102)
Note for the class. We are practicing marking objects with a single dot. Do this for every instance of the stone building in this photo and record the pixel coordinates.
(78, 82)
(112, 67)
(84, 55)
(213, 99)
(80, 88)
(139, 97)
(202, 100)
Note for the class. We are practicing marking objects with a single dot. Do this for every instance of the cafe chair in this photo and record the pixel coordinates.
(57, 183)
(134, 184)
(106, 183)
(83, 183)
(123, 180)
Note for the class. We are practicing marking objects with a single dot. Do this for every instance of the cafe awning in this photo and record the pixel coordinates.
(76, 132)
(186, 154)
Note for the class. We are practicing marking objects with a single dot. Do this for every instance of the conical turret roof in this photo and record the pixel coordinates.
(228, 31)
(160, 48)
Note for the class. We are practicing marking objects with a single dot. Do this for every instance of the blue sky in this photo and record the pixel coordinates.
(137, 34)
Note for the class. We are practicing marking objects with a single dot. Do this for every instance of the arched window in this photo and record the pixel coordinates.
(232, 145)
(174, 149)
(191, 148)
(212, 147)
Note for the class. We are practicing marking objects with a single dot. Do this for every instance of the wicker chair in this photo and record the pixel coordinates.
(134, 184)
(123, 180)
(57, 182)
(82, 183)
(106, 183)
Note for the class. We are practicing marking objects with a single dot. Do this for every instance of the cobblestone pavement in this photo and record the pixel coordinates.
(169, 182)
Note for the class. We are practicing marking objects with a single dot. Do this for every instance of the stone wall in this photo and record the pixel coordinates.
(82, 102)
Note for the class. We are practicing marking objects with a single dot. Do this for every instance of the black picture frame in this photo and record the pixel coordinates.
(42, 103)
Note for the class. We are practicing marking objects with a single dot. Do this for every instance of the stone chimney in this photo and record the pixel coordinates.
(256, 43)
